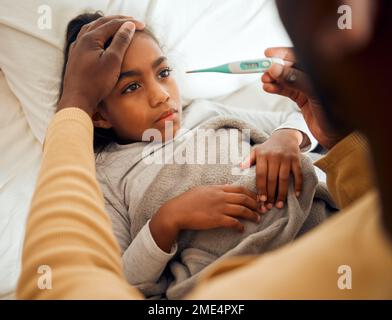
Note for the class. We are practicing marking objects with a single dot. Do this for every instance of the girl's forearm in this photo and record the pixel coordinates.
(143, 260)
(164, 229)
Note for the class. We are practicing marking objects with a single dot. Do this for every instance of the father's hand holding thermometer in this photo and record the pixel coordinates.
(290, 81)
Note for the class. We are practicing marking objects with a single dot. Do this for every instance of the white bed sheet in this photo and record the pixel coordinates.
(19, 162)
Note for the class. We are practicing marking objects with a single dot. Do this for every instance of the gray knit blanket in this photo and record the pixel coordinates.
(199, 250)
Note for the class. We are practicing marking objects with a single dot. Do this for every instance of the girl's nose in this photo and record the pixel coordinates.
(158, 95)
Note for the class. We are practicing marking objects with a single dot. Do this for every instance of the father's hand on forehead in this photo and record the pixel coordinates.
(92, 71)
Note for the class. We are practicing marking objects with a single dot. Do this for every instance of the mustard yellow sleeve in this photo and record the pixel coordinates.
(348, 169)
(68, 234)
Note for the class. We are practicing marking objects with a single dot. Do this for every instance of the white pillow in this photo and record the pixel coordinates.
(31, 58)
(196, 34)
(207, 33)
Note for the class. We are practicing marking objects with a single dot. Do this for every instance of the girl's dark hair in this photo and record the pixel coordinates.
(102, 137)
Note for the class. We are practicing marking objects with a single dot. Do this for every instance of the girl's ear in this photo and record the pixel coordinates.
(99, 120)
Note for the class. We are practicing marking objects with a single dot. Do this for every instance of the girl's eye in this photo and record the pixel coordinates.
(132, 87)
(165, 73)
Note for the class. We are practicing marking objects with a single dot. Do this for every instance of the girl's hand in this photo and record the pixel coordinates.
(275, 159)
(202, 208)
(293, 83)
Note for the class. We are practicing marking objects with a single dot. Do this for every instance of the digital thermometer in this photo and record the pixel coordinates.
(245, 66)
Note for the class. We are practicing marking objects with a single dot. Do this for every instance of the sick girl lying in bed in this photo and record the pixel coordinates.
(173, 219)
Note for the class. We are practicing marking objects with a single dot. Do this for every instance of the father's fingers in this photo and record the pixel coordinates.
(115, 21)
(290, 77)
(282, 90)
(106, 31)
(121, 40)
(285, 53)
(295, 95)
(95, 24)
(266, 78)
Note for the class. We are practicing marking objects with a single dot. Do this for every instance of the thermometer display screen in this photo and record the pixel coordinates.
(255, 65)
(249, 65)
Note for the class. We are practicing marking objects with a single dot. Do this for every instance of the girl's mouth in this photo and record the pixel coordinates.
(168, 115)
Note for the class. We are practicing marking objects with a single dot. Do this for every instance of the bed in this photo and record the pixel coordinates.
(31, 41)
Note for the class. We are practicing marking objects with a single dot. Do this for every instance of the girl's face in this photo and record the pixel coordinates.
(145, 97)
